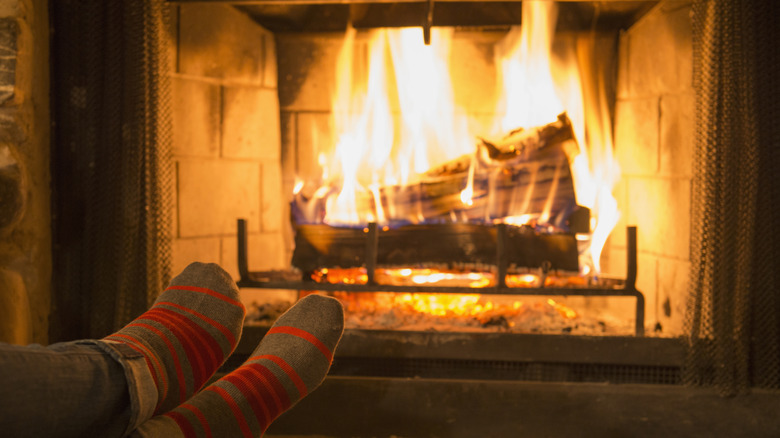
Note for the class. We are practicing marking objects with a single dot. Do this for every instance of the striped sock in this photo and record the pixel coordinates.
(187, 334)
(290, 362)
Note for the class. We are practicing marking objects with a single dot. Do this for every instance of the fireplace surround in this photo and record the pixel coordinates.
(227, 67)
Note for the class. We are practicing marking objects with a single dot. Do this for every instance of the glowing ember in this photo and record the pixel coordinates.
(469, 312)
(434, 277)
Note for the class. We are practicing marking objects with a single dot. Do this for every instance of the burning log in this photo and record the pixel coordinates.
(451, 245)
(524, 174)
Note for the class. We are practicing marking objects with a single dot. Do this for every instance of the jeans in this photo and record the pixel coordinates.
(81, 388)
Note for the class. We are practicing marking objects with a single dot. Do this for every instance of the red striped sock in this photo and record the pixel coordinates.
(290, 362)
(187, 334)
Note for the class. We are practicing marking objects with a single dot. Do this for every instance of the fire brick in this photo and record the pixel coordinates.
(250, 123)
(310, 66)
(313, 133)
(195, 118)
(469, 68)
(636, 136)
(220, 42)
(660, 52)
(269, 75)
(200, 249)
(266, 252)
(672, 278)
(288, 155)
(271, 208)
(647, 283)
(677, 133)
(660, 208)
(213, 194)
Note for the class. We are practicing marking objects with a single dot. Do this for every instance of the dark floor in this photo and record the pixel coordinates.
(407, 408)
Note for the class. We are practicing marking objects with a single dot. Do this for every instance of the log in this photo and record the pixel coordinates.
(525, 173)
(432, 245)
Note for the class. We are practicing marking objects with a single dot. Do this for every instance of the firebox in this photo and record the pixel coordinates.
(450, 172)
(476, 260)
(516, 197)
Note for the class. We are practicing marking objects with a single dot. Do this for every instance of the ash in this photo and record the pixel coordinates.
(403, 312)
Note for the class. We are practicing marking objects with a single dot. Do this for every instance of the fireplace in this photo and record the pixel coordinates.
(356, 259)
(234, 63)
(251, 86)
(307, 71)
(307, 65)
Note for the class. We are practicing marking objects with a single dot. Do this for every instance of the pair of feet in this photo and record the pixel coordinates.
(195, 324)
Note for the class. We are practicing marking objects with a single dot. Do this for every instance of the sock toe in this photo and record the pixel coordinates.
(209, 276)
(318, 315)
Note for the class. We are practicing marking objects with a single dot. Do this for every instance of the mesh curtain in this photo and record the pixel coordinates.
(111, 162)
(734, 307)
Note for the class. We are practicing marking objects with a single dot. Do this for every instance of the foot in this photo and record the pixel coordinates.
(290, 362)
(187, 334)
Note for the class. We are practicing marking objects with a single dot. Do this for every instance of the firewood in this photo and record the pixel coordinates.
(430, 246)
(525, 173)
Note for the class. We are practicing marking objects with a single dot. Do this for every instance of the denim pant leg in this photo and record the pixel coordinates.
(83, 388)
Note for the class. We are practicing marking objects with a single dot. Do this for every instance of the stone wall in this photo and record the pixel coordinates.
(226, 138)
(25, 226)
(654, 126)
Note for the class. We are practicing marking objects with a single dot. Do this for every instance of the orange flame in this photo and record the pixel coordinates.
(397, 118)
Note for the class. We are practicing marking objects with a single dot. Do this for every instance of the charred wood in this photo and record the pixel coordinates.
(525, 173)
(445, 245)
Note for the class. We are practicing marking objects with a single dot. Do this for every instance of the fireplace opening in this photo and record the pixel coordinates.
(488, 242)
(254, 134)
(554, 183)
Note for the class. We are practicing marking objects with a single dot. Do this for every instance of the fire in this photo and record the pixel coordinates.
(383, 120)
(527, 93)
(395, 118)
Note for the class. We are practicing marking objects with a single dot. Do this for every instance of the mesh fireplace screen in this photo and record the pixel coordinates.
(734, 319)
(111, 162)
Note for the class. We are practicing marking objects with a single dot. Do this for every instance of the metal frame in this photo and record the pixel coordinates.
(372, 238)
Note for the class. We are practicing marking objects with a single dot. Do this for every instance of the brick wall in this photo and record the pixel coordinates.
(226, 138)
(654, 125)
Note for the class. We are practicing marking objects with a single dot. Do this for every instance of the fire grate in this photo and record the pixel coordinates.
(286, 280)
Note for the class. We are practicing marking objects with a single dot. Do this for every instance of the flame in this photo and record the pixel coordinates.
(535, 86)
(396, 118)
(527, 94)
(383, 119)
